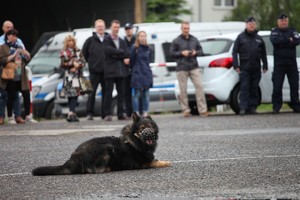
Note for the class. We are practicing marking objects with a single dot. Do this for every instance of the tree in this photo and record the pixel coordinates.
(266, 12)
(165, 11)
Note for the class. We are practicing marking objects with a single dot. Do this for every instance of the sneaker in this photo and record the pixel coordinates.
(29, 119)
(11, 120)
(75, 118)
(145, 114)
(107, 118)
(204, 114)
(186, 114)
(89, 117)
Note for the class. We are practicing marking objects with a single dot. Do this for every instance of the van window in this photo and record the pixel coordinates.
(215, 46)
(166, 49)
(44, 62)
(153, 52)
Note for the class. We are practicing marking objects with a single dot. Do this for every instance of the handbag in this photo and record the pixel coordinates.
(8, 72)
(85, 85)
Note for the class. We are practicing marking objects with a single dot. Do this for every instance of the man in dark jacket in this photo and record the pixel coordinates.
(116, 57)
(185, 48)
(285, 40)
(93, 51)
(251, 50)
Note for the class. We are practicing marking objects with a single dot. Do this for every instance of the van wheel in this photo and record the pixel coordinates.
(193, 107)
(234, 102)
(50, 112)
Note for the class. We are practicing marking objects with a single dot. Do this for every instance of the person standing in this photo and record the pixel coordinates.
(285, 40)
(248, 51)
(129, 40)
(185, 48)
(116, 57)
(8, 25)
(142, 78)
(72, 61)
(12, 52)
(93, 51)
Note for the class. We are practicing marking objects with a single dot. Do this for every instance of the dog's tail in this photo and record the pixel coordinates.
(51, 170)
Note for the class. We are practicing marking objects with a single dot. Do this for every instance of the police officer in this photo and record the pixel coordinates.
(285, 40)
(248, 51)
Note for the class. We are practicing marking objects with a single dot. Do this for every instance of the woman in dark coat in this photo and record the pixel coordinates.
(142, 78)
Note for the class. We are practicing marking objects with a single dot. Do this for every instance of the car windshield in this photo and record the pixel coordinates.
(215, 46)
(44, 62)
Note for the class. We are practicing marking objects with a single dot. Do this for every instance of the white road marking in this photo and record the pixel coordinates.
(191, 161)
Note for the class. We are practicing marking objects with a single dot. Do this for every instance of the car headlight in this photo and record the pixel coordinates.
(36, 90)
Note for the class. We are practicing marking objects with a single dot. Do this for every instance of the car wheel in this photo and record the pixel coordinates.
(50, 112)
(234, 101)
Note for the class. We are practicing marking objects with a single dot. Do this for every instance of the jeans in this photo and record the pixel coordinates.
(144, 93)
(3, 100)
(16, 105)
(72, 102)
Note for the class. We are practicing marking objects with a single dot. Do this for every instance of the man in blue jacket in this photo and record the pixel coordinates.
(285, 40)
(248, 51)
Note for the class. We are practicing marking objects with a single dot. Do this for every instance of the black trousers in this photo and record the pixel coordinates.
(128, 96)
(96, 79)
(278, 78)
(249, 95)
(109, 86)
(11, 88)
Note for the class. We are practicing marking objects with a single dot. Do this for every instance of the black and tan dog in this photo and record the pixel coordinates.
(134, 149)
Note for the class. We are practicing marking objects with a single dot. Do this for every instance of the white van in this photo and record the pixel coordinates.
(160, 36)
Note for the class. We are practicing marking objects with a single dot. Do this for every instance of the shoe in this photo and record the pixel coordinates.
(11, 120)
(242, 112)
(19, 120)
(75, 118)
(145, 114)
(186, 114)
(1, 120)
(124, 117)
(296, 111)
(29, 119)
(107, 118)
(89, 117)
(204, 114)
(275, 112)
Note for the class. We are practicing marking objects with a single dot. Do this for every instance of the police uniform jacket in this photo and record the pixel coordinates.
(251, 50)
(182, 43)
(284, 42)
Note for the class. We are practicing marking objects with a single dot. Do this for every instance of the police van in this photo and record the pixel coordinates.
(160, 36)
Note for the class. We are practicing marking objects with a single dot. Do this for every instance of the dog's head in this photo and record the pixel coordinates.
(143, 131)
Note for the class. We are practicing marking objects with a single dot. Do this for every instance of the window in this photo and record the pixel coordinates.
(215, 46)
(225, 3)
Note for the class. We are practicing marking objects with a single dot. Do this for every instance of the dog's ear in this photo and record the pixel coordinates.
(149, 117)
(135, 117)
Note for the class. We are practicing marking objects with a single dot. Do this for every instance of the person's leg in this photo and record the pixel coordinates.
(95, 79)
(128, 96)
(182, 77)
(3, 100)
(244, 90)
(277, 78)
(254, 91)
(293, 78)
(16, 105)
(146, 101)
(120, 90)
(136, 100)
(109, 86)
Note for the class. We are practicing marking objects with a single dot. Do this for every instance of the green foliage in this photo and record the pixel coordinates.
(165, 10)
(266, 12)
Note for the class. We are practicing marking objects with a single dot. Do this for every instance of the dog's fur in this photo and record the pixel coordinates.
(134, 149)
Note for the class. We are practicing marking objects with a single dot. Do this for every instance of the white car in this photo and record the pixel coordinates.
(221, 81)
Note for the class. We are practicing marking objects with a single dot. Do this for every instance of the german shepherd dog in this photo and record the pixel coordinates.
(134, 149)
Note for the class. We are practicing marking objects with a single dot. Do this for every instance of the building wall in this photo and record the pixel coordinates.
(206, 11)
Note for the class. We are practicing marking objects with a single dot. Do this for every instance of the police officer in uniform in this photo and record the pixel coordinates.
(285, 40)
(248, 51)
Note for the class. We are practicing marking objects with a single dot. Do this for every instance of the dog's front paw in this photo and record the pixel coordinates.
(160, 164)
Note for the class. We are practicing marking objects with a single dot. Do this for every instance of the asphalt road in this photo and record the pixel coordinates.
(218, 157)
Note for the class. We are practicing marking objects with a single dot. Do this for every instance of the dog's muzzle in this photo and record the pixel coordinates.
(148, 136)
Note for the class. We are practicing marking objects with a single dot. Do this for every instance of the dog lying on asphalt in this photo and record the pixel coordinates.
(134, 149)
